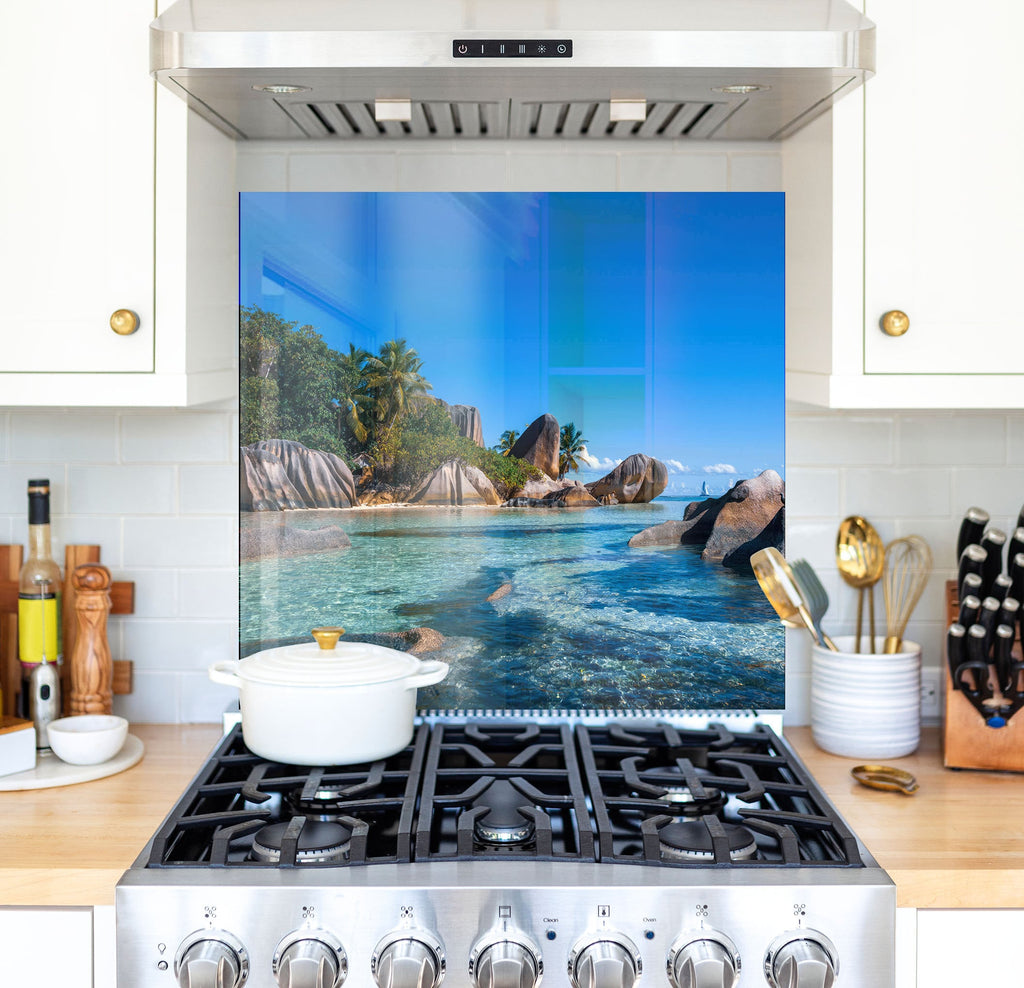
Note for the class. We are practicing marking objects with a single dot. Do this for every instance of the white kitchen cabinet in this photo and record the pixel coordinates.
(47, 947)
(113, 197)
(969, 947)
(907, 197)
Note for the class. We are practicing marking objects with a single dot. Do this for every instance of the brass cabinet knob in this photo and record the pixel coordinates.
(895, 323)
(124, 322)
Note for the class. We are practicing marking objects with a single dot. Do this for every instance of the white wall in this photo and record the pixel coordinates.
(158, 489)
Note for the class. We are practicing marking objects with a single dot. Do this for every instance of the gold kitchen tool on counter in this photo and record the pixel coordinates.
(908, 563)
(776, 580)
(860, 558)
(884, 777)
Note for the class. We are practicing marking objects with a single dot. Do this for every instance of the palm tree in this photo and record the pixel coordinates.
(393, 379)
(354, 400)
(571, 443)
(508, 440)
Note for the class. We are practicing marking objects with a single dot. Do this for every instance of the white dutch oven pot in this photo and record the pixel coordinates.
(323, 703)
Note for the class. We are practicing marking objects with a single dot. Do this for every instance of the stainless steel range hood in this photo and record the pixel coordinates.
(495, 69)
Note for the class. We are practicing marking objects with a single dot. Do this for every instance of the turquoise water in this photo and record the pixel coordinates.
(588, 621)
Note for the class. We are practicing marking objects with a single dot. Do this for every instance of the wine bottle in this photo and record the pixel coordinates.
(39, 589)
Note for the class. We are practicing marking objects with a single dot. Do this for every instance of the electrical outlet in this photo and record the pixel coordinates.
(931, 694)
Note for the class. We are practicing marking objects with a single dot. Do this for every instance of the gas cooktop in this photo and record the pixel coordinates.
(625, 792)
(491, 853)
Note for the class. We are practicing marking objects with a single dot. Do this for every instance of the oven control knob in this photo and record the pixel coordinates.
(801, 959)
(408, 959)
(706, 961)
(608, 960)
(310, 959)
(211, 959)
(505, 963)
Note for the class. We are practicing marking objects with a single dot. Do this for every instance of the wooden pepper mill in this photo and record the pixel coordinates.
(92, 670)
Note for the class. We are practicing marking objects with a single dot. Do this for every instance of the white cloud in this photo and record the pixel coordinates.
(720, 468)
(584, 456)
(676, 467)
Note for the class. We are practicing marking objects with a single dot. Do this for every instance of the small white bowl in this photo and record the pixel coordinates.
(88, 739)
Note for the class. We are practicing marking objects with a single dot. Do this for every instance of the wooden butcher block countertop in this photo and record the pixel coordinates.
(957, 843)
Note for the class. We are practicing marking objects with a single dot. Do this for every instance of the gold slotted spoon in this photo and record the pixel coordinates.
(776, 580)
(860, 558)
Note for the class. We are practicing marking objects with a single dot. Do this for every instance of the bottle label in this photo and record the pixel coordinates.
(38, 629)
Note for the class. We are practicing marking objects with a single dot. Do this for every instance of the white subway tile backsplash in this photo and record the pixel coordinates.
(203, 701)
(653, 172)
(755, 172)
(811, 492)
(179, 645)
(180, 542)
(562, 172)
(467, 172)
(156, 592)
(1015, 440)
(154, 698)
(261, 172)
(121, 490)
(209, 593)
(999, 490)
(177, 437)
(76, 437)
(961, 440)
(14, 478)
(343, 172)
(5, 420)
(209, 490)
(897, 492)
(101, 530)
(837, 439)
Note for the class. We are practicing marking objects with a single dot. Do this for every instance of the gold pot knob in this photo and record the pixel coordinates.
(327, 638)
(124, 322)
(895, 323)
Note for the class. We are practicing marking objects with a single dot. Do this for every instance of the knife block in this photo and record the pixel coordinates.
(967, 741)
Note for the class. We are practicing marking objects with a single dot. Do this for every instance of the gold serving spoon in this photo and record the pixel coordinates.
(860, 558)
(776, 580)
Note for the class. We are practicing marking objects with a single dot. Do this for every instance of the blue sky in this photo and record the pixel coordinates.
(653, 321)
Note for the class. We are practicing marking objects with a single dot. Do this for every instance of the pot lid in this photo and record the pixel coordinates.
(340, 664)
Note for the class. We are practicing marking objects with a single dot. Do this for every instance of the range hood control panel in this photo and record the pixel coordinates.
(512, 48)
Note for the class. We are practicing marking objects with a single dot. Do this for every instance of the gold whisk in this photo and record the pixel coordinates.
(908, 563)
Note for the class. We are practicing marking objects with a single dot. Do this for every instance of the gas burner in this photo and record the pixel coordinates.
(319, 843)
(691, 841)
(502, 823)
(682, 801)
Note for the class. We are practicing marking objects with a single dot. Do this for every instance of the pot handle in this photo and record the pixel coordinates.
(430, 672)
(224, 673)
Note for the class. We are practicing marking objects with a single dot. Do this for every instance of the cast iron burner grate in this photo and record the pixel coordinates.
(624, 792)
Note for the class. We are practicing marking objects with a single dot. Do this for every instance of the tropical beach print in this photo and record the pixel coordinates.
(534, 435)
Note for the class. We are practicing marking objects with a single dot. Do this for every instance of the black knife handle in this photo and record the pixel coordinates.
(1016, 544)
(993, 542)
(956, 650)
(970, 608)
(1017, 575)
(971, 528)
(988, 618)
(1009, 612)
(977, 656)
(1001, 587)
(971, 586)
(1004, 643)
(972, 560)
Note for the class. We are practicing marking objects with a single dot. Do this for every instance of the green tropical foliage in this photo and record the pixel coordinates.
(507, 441)
(294, 386)
(289, 379)
(571, 444)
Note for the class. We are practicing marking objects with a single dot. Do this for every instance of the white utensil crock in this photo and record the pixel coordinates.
(863, 705)
(307, 706)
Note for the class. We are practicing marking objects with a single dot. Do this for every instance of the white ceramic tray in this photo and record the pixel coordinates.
(50, 771)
